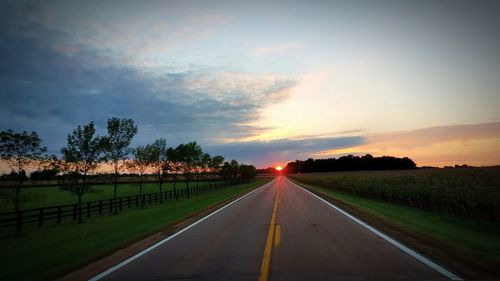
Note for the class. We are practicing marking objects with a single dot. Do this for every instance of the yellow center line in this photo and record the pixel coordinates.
(277, 236)
(266, 259)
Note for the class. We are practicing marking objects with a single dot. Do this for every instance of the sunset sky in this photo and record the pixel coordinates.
(264, 82)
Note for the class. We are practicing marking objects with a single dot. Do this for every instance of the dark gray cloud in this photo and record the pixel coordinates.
(264, 153)
(45, 89)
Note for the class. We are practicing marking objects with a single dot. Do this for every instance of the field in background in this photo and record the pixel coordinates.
(43, 253)
(471, 192)
(51, 195)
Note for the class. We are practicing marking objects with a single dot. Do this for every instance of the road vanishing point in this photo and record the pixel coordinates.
(279, 231)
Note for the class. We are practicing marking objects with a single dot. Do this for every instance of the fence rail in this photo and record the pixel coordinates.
(60, 213)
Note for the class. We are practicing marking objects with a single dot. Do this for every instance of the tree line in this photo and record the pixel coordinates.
(78, 166)
(349, 163)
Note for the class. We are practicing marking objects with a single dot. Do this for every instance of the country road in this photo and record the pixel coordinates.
(277, 232)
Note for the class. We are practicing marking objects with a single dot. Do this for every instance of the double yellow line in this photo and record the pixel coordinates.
(272, 235)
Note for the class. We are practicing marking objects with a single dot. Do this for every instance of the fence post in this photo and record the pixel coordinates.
(19, 219)
(74, 211)
(100, 207)
(156, 197)
(110, 205)
(40, 217)
(88, 209)
(120, 203)
(129, 202)
(137, 201)
(59, 214)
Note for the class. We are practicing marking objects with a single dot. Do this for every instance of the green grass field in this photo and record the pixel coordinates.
(52, 196)
(468, 235)
(46, 252)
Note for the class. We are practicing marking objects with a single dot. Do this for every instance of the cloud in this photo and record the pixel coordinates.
(280, 151)
(428, 136)
(241, 89)
(50, 84)
(276, 49)
(139, 35)
(475, 144)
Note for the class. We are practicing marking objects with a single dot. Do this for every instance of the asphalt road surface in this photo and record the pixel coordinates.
(278, 232)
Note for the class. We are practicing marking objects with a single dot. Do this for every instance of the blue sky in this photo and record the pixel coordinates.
(264, 82)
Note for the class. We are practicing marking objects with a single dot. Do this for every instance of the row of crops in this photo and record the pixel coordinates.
(472, 192)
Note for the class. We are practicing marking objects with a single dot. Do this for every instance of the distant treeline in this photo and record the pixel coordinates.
(268, 171)
(350, 163)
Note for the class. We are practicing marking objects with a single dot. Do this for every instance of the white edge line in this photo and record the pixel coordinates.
(147, 250)
(402, 247)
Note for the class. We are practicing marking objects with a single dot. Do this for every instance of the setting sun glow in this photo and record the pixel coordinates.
(279, 168)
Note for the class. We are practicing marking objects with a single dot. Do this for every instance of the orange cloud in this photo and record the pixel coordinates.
(474, 144)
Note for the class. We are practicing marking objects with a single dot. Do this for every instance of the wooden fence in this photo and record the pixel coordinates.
(70, 212)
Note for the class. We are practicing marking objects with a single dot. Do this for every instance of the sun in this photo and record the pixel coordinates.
(279, 168)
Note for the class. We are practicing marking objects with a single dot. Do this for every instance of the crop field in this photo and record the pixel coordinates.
(52, 195)
(468, 192)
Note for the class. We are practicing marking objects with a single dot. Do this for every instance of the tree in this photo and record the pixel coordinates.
(247, 172)
(116, 146)
(190, 154)
(349, 163)
(158, 160)
(205, 165)
(229, 171)
(198, 166)
(20, 150)
(14, 176)
(48, 169)
(80, 159)
(140, 163)
(44, 174)
(174, 166)
(216, 163)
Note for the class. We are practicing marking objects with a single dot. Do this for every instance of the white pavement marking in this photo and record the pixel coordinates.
(138, 255)
(402, 247)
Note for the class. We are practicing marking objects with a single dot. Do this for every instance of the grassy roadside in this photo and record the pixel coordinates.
(44, 253)
(474, 241)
